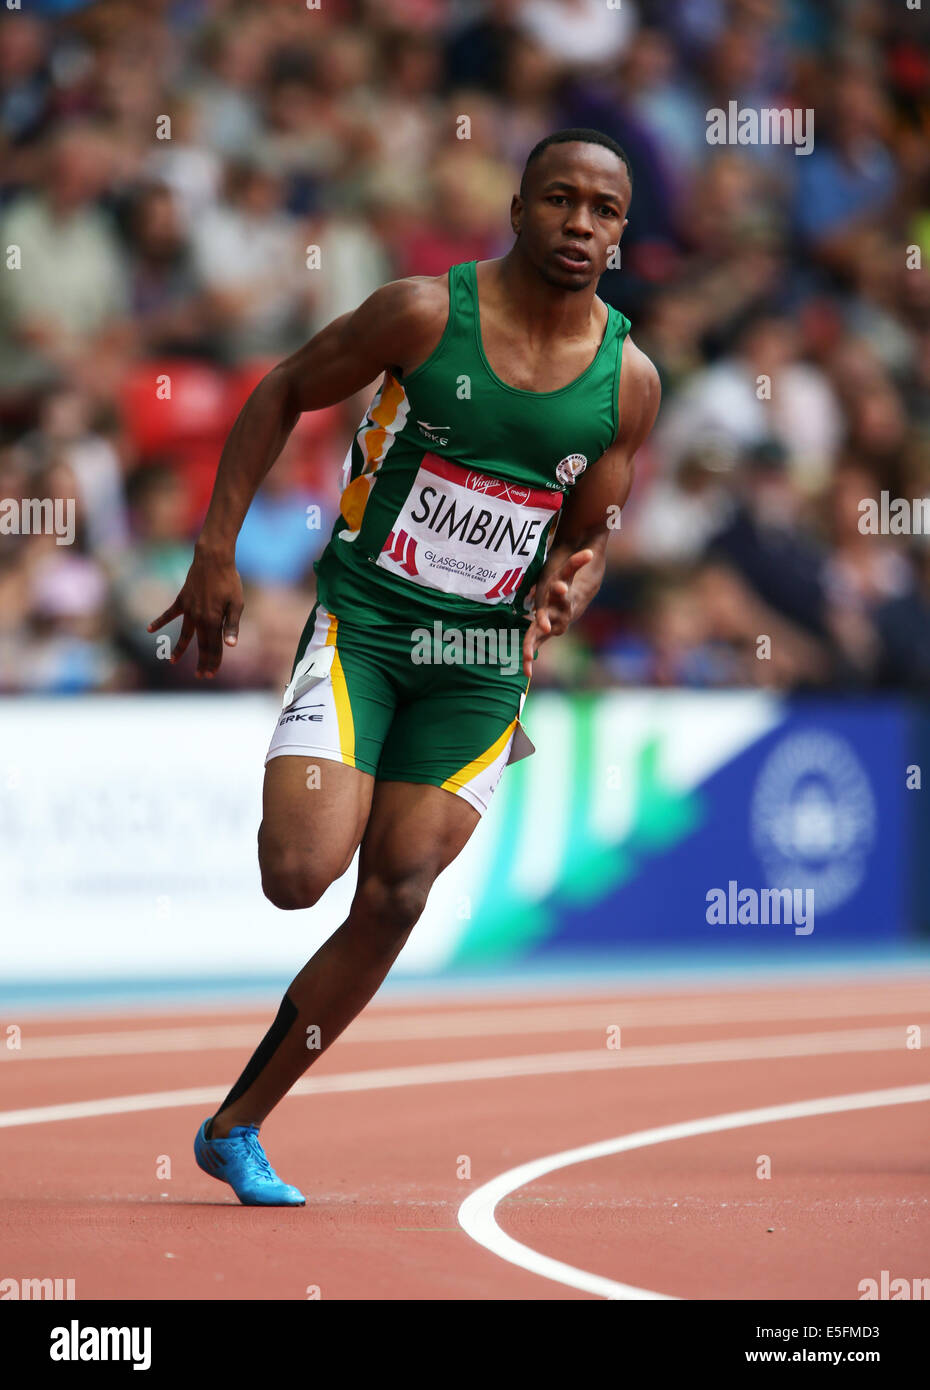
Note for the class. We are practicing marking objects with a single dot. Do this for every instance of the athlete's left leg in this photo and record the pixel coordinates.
(414, 831)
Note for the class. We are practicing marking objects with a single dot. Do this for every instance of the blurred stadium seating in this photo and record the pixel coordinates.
(338, 127)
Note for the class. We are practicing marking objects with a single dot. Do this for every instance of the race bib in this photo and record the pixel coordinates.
(465, 533)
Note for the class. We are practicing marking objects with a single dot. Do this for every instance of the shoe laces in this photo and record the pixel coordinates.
(258, 1155)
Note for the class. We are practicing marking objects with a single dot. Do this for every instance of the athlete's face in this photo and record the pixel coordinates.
(573, 214)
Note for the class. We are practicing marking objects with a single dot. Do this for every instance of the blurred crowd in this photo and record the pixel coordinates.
(167, 165)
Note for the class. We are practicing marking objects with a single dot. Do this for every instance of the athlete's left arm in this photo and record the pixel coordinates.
(574, 568)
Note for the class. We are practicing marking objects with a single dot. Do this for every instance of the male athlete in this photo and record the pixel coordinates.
(478, 494)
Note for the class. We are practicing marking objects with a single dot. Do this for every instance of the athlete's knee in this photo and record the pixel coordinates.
(291, 880)
(389, 905)
(294, 890)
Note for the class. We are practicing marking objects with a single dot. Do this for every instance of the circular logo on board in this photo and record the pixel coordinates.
(812, 817)
(571, 467)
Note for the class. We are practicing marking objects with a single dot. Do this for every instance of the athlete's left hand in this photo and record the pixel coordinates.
(554, 607)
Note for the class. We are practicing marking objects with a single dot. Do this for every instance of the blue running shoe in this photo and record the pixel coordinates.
(240, 1160)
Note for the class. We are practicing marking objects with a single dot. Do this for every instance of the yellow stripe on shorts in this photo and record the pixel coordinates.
(471, 770)
(341, 695)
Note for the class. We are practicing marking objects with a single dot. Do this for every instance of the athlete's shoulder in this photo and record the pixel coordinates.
(414, 294)
(415, 310)
(640, 394)
(639, 370)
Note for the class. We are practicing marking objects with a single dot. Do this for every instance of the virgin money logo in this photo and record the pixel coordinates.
(494, 487)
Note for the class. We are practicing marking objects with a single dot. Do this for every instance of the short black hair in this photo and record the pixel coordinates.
(582, 135)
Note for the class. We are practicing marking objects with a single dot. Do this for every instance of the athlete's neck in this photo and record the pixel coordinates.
(543, 310)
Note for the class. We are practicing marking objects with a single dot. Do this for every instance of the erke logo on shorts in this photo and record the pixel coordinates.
(302, 717)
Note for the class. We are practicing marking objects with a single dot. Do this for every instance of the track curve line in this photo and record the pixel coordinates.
(476, 1214)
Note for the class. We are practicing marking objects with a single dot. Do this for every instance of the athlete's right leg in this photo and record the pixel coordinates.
(314, 813)
(319, 782)
(413, 833)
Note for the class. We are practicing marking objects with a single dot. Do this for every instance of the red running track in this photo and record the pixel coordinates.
(418, 1106)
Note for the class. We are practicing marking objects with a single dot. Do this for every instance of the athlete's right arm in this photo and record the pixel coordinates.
(398, 326)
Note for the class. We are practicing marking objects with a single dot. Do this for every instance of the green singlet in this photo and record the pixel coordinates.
(452, 489)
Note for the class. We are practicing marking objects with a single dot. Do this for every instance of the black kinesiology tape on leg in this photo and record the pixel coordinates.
(265, 1050)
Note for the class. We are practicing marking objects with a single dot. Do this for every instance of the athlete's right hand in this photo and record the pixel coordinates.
(211, 605)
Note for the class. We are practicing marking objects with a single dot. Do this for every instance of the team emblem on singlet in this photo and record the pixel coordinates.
(571, 467)
(467, 533)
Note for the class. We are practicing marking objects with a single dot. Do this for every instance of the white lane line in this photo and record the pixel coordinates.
(476, 1214)
(471, 1023)
(891, 1039)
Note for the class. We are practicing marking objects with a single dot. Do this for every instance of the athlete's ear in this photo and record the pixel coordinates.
(516, 211)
